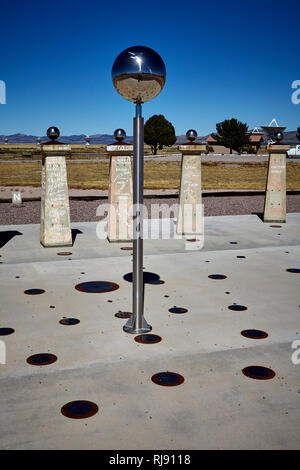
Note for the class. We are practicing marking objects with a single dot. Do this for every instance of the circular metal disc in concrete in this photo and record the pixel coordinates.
(156, 282)
(69, 321)
(217, 276)
(259, 372)
(147, 339)
(6, 331)
(178, 309)
(42, 359)
(97, 286)
(34, 291)
(238, 308)
(64, 253)
(79, 409)
(293, 270)
(126, 248)
(254, 334)
(121, 314)
(167, 379)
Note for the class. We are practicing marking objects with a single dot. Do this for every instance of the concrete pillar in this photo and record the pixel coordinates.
(275, 198)
(120, 198)
(55, 229)
(190, 215)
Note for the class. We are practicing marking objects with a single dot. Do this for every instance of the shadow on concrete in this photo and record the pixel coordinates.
(7, 235)
(75, 232)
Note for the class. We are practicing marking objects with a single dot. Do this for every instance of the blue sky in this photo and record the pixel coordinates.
(224, 59)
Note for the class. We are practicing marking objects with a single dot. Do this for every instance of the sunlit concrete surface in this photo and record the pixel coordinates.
(216, 407)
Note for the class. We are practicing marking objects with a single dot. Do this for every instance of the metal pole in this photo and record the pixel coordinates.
(137, 323)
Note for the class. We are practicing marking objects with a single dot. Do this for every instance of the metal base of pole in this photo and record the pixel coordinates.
(130, 326)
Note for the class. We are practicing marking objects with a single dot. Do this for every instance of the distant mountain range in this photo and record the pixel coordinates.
(289, 139)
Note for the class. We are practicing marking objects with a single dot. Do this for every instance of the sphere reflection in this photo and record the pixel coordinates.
(191, 135)
(119, 134)
(139, 74)
(53, 133)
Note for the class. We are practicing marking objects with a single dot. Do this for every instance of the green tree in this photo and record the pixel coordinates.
(233, 134)
(298, 133)
(159, 132)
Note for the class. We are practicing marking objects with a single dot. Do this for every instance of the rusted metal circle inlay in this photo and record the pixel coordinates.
(147, 339)
(79, 409)
(126, 248)
(149, 278)
(259, 372)
(254, 334)
(233, 243)
(293, 270)
(42, 359)
(97, 286)
(167, 379)
(69, 321)
(34, 291)
(178, 309)
(276, 226)
(121, 314)
(6, 331)
(217, 276)
(238, 308)
(64, 253)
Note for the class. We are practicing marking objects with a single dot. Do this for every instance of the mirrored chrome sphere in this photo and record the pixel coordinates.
(119, 134)
(139, 74)
(191, 135)
(278, 136)
(53, 133)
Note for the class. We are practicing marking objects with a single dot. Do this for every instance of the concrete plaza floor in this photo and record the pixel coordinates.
(216, 407)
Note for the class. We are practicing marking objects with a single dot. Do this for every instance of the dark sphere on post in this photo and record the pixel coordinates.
(191, 135)
(53, 133)
(139, 74)
(119, 135)
(278, 136)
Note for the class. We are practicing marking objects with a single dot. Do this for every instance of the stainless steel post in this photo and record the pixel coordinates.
(137, 323)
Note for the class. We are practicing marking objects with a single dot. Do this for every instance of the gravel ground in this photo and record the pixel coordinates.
(85, 210)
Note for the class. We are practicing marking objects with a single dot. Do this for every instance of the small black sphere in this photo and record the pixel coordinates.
(278, 136)
(191, 135)
(53, 133)
(119, 134)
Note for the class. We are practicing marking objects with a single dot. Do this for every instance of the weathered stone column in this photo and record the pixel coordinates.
(55, 229)
(120, 198)
(190, 216)
(275, 198)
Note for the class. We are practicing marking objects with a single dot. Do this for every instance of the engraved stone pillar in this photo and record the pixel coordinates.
(190, 215)
(120, 199)
(55, 212)
(275, 199)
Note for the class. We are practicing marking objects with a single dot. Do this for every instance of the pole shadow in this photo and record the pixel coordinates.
(75, 232)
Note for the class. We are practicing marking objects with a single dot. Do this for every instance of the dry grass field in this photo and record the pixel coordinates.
(158, 175)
